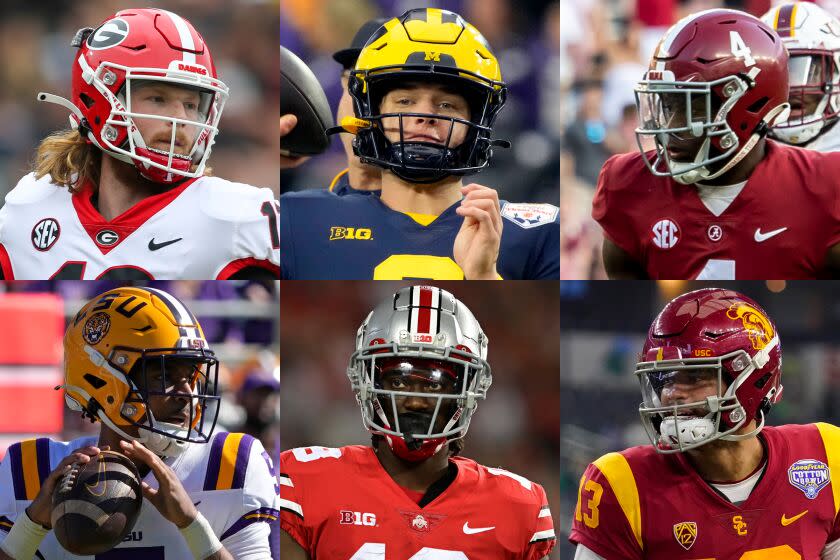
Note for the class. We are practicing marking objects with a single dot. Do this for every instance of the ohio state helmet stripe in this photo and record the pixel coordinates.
(785, 20)
(425, 310)
(187, 41)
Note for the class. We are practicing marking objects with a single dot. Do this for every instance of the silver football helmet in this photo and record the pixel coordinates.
(420, 333)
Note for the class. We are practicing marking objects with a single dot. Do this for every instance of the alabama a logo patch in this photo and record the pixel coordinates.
(529, 216)
(686, 533)
(96, 328)
(810, 476)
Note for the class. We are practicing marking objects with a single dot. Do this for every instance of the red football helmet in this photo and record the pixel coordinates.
(717, 80)
(131, 49)
(709, 332)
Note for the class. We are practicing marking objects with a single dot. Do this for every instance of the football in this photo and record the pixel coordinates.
(302, 95)
(96, 504)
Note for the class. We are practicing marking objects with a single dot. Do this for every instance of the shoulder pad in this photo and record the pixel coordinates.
(527, 215)
(30, 190)
(228, 461)
(229, 201)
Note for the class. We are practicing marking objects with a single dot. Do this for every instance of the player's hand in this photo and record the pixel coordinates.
(287, 124)
(40, 510)
(476, 247)
(170, 499)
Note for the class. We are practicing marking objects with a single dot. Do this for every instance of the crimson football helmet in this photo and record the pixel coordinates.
(718, 79)
(419, 337)
(133, 48)
(812, 37)
(709, 332)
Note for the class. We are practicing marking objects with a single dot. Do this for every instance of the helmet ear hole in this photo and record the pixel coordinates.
(96, 382)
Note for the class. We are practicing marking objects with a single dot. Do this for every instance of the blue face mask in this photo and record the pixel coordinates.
(596, 132)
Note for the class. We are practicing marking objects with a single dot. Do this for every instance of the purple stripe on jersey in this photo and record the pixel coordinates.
(42, 452)
(267, 515)
(16, 461)
(242, 455)
(215, 461)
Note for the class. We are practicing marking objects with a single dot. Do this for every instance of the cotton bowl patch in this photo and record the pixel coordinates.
(810, 476)
(530, 215)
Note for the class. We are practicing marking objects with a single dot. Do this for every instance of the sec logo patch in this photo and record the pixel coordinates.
(666, 233)
(45, 234)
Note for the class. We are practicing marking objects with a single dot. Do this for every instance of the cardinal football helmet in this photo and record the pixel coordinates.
(719, 77)
(709, 331)
(111, 348)
(812, 38)
(131, 48)
(420, 333)
(427, 45)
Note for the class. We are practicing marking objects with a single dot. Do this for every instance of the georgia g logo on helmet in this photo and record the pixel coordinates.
(110, 34)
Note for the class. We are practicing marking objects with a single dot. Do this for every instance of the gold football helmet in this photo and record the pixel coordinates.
(117, 351)
(426, 45)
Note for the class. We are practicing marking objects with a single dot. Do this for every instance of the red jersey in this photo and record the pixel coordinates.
(339, 503)
(780, 225)
(642, 504)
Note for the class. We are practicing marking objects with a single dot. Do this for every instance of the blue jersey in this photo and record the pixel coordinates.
(356, 237)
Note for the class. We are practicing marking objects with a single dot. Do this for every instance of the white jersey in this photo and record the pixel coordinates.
(205, 228)
(826, 142)
(230, 479)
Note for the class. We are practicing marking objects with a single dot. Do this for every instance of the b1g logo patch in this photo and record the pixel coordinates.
(96, 328)
(810, 476)
(529, 216)
(666, 233)
(686, 533)
(109, 34)
(45, 234)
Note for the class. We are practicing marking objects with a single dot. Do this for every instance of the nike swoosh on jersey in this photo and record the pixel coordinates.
(472, 531)
(155, 246)
(759, 237)
(788, 520)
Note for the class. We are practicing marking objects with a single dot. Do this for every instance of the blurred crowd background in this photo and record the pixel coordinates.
(603, 330)
(242, 36)
(524, 37)
(605, 48)
(240, 321)
(517, 428)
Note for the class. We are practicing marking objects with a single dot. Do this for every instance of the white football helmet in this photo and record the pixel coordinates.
(812, 37)
(420, 333)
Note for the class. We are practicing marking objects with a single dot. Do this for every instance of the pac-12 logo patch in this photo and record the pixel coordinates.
(96, 328)
(686, 533)
(45, 234)
(810, 476)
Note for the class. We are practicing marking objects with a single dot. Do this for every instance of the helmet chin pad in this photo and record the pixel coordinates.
(410, 448)
(420, 162)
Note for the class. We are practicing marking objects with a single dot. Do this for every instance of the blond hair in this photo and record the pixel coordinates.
(69, 159)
